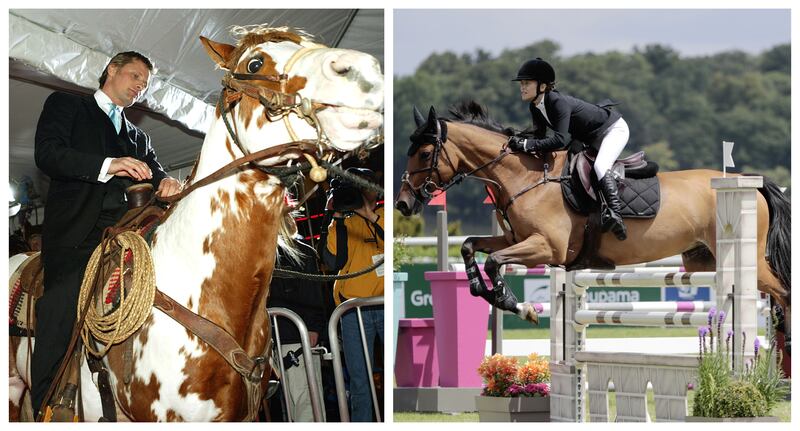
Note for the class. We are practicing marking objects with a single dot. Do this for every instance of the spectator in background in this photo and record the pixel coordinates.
(304, 297)
(356, 243)
(34, 238)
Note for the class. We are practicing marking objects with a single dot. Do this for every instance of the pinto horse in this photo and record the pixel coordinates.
(215, 251)
(539, 227)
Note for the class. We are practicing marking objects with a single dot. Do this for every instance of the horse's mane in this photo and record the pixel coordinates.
(471, 112)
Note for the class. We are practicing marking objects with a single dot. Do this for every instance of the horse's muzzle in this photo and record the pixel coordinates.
(407, 204)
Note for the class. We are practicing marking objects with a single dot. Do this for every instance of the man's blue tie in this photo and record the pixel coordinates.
(115, 117)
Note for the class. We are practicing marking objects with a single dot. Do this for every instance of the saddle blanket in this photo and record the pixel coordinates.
(641, 197)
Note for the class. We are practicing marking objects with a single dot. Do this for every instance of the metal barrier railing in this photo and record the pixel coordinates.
(338, 373)
(313, 388)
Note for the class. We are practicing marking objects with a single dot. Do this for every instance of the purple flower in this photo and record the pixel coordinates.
(537, 390)
(721, 318)
(711, 314)
(702, 332)
(744, 341)
(514, 390)
(690, 386)
(756, 346)
(728, 340)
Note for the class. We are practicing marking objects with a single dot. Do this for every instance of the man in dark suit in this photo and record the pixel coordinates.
(570, 118)
(91, 153)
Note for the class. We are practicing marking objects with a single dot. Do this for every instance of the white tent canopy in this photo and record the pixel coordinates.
(68, 49)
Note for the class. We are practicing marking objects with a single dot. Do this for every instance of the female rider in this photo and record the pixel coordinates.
(570, 118)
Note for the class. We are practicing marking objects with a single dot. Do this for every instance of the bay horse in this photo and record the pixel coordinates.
(214, 252)
(539, 227)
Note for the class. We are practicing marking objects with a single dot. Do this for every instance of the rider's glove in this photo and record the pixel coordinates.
(517, 143)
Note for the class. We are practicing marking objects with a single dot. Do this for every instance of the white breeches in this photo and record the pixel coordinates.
(613, 143)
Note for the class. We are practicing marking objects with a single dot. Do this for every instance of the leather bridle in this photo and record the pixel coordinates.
(429, 188)
(278, 104)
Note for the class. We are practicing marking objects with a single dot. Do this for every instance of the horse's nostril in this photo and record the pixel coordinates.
(340, 67)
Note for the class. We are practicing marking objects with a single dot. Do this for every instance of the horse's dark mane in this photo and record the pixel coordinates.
(471, 112)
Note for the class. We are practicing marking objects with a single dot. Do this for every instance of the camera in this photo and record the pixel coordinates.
(345, 197)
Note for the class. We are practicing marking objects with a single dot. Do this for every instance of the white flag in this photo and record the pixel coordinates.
(727, 150)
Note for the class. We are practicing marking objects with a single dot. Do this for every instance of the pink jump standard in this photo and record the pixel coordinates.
(461, 324)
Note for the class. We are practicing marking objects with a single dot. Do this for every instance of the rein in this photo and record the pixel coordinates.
(504, 211)
(299, 146)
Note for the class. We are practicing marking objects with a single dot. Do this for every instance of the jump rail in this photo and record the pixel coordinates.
(735, 293)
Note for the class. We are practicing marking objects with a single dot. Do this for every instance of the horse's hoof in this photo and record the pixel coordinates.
(529, 313)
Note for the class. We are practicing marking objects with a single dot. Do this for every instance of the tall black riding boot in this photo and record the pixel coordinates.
(609, 215)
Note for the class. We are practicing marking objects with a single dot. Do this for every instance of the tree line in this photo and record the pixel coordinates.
(678, 108)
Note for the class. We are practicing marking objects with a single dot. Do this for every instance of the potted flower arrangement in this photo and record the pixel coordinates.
(721, 395)
(514, 392)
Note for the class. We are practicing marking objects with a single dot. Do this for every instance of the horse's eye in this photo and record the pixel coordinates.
(425, 155)
(254, 65)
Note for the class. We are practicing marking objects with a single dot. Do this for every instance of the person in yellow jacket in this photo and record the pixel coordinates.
(355, 242)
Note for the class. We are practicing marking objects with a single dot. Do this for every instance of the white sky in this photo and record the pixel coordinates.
(418, 33)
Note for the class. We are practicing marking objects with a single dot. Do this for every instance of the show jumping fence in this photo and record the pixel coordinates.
(735, 293)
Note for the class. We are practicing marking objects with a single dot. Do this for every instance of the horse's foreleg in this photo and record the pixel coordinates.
(485, 244)
(531, 252)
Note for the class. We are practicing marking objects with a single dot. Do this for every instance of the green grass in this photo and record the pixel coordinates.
(435, 417)
(782, 411)
(605, 332)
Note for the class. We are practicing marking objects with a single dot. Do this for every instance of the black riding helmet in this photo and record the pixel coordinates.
(536, 70)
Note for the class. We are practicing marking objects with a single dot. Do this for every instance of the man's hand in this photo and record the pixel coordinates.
(517, 143)
(169, 186)
(130, 167)
(313, 337)
(329, 207)
(366, 211)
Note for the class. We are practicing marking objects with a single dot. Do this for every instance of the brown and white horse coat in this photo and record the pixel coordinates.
(214, 253)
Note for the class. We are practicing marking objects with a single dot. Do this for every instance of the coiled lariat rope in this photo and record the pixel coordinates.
(135, 302)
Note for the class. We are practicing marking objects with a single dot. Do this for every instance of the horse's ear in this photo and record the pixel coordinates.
(418, 118)
(432, 116)
(219, 52)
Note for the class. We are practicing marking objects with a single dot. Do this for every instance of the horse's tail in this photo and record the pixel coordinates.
(779, 247)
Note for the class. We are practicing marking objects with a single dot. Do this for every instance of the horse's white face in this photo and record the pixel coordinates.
(346, 86)
(350, 82)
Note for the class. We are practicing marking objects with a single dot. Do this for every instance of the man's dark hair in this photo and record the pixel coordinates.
(122, 59)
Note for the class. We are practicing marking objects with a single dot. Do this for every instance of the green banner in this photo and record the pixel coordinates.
(534, 288)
